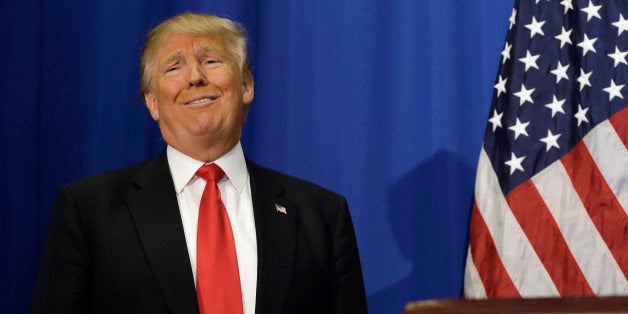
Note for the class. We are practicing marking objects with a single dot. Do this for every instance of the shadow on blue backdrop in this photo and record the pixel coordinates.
(421, 232)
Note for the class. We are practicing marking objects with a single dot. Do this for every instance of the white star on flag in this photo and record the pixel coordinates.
(496, 120)
(519, 128)
(581, 115)
(515, 163)
(564, 37)
(621, 24)
(501, 85)
(614, 90)
(583, 79)
(556, 106)
(587, 45)
(550, 141)
(524, 95)
(592, 11)
(530, 60)
(511, 20)
(618, 56)
(560, 72)
(535, 27)
(506, 52)
(567, 4)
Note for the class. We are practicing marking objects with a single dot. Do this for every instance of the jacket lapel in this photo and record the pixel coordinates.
(155, 211)
(276, 240)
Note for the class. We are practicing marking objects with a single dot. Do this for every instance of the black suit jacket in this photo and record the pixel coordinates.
(115, 244)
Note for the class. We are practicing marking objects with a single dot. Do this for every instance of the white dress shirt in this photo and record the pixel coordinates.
(235, 191)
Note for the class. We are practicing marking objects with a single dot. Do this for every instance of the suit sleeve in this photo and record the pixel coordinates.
(349, 295)
(63, 281)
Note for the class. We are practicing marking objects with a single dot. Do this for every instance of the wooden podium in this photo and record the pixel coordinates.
(547, 305)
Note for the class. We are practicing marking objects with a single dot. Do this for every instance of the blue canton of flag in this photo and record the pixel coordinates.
(551, 196)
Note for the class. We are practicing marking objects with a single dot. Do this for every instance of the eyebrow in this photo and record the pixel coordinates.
(173, 57)
(208, 49)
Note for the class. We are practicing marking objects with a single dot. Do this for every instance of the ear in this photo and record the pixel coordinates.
(151, 104)
(248, 88)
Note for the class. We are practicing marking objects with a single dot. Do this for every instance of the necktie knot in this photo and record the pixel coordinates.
(211, 172)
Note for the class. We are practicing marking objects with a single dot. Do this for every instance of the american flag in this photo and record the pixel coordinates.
(551, 194)
(281, 209)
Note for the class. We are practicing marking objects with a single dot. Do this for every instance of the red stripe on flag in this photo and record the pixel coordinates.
(492, 272)
(539, 225)
(607, 214)
(618, 121)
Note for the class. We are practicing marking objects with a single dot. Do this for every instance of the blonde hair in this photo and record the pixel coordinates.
(232, 33)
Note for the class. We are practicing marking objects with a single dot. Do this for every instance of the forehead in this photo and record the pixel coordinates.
(177, 44)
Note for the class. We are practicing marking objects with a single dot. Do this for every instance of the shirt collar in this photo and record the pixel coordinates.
(183, 167)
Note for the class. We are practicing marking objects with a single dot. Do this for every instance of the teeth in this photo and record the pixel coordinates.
(206, 99)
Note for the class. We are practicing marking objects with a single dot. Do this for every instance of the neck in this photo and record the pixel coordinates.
(206, 153)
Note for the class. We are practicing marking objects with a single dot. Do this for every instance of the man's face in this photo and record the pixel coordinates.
(198, 95)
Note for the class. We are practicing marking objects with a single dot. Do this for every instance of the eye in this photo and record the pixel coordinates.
(173, 68)
(210, 60)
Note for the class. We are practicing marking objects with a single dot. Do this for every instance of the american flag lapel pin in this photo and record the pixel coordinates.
(280, 209)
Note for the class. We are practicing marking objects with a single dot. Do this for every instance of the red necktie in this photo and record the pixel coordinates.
(217, 276)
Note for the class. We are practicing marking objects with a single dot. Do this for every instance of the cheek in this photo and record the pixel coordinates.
(169, 88)
(168, 95)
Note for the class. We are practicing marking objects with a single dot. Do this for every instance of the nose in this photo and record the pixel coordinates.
(196, 77)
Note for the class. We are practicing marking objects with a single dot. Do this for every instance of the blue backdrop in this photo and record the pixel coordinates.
(384, 101)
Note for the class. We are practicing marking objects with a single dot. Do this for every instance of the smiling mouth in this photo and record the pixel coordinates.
(202, 101)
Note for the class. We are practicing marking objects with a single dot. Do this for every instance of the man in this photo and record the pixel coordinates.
(199, 228)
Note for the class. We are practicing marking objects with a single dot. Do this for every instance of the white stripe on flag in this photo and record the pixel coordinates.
(585, 243)
(473, 287)
(515, 251)
(611, 157)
